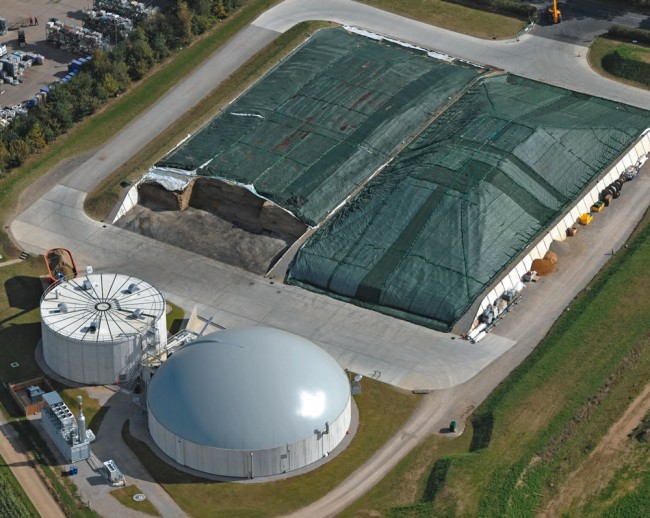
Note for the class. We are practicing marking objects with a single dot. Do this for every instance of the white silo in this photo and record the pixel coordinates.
(95, 327)
(249, 402)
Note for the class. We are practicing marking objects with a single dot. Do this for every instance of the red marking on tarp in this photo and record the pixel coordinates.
(360, 100)
(300, 133)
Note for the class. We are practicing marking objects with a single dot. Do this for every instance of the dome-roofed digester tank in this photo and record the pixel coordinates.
(249, 402)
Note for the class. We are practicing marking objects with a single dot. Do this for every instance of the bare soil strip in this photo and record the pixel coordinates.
(596, 471)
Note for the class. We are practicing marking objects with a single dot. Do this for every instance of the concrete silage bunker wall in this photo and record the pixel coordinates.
(559, 231)
(227, 200)
(234, 202)
(316, 127)
(435, 229)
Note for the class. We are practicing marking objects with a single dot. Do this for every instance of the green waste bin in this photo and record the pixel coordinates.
(452, 426)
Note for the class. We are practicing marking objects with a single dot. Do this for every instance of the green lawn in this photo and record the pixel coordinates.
(124, 495)
(602, 47)
(453, 17)
(411, 480)
(20, 327)
(174, 318)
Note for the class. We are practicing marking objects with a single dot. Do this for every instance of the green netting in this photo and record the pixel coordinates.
(434, 229)
(317, 126)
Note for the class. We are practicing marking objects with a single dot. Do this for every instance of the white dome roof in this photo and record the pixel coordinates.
(248, 389)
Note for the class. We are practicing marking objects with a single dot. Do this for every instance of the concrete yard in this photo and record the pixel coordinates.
(372, 344)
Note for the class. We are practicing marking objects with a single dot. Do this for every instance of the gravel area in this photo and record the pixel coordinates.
(209, 235)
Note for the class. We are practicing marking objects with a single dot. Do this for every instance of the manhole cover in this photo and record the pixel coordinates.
(139, 497)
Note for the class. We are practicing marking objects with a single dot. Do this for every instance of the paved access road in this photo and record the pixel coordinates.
(367, 342)
(536, 57)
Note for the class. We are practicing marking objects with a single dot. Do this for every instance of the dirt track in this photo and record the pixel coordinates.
(23, 469)
(596, 471)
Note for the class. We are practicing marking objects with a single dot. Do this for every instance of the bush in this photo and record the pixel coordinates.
(622, 64)
(627, 34)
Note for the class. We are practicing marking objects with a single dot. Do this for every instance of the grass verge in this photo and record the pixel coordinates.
(602, 47)
(174, 318)
(383, 411)
(124, 495)
(627, 495)
(453, 17)
(411, 484)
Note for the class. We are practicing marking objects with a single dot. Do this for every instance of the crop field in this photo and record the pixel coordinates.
(13, 500)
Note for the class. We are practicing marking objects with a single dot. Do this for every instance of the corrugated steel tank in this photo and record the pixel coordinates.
(94, 327)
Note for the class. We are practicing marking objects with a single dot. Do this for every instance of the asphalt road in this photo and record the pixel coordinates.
(584, 20)
(540, 58)
(560, 63)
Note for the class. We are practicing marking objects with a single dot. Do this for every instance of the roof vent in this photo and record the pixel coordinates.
(92, 328)
(63, 307)
(137, 314)
(87, 286)
(132, 288)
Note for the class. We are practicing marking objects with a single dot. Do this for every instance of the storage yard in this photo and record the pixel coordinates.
(58, 32)
(399, 352)
(18, 14)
